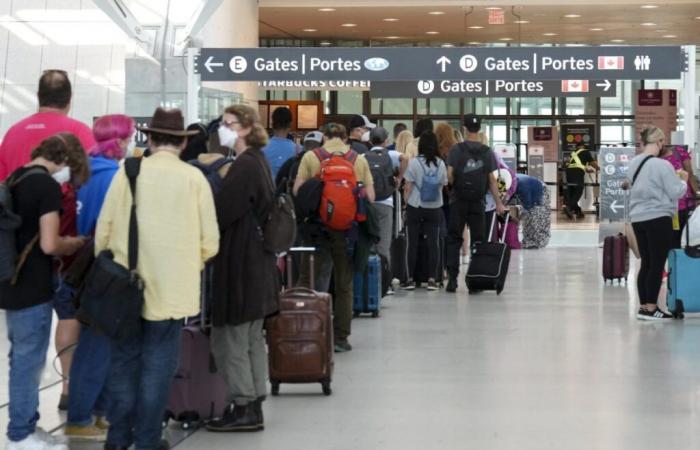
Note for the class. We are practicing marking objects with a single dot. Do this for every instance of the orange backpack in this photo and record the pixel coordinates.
(338, 208)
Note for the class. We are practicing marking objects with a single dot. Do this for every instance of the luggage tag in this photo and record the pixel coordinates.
(676, 222)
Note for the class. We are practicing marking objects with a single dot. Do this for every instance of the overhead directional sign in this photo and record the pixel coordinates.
(492, 88)
(428, 63)
(614, 162)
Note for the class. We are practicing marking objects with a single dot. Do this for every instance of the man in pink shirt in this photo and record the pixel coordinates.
(54, 95)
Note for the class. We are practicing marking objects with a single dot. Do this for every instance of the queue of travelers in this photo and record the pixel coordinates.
(198, 198)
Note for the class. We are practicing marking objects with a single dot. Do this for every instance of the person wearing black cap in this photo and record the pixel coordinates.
(358, 126)
(469, 170)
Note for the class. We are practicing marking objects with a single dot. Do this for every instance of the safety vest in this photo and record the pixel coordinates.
(575, 162)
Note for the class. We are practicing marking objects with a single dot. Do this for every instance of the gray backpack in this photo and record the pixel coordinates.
(10, 261)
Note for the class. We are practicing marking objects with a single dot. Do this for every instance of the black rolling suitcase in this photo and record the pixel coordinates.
(488, 267)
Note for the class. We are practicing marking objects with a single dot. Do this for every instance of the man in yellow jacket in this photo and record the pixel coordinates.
(581, 162)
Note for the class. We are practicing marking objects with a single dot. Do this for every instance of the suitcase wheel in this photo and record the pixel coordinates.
(166, 419)
(356, 313)
(326, 384)
(375, 314)
(189, 420)
(275, 388)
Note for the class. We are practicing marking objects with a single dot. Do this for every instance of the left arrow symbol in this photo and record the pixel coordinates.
(444, 61)
(210, 63)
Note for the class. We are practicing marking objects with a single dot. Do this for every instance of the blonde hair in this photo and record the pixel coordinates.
(458, 136)
(445, 138)
(483, 138)
(402, 140)
(651, 135)
(249, 118)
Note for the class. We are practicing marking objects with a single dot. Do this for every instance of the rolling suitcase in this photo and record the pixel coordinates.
(616, 258)
(683, 288)
(367, 288)
(198, 391)
(300, 337)
(488, 267)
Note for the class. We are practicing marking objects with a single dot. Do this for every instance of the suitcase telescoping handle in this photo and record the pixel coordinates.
(312, 275)
(505, 227)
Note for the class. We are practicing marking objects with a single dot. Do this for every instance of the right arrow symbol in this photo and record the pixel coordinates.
(444, 61)
(606, 86)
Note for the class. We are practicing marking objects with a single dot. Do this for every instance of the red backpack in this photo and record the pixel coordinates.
(338, 208)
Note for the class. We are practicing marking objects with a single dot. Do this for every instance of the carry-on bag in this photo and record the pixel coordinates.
(198, 391)
(616, 258)
(683, 288)
(300, 337)
(488, 267)
(367, 288)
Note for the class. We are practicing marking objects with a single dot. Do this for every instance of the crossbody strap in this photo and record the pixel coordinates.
(132, 166)
(639, 169)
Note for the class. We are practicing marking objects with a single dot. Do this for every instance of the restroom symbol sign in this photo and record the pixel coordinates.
(426, 87)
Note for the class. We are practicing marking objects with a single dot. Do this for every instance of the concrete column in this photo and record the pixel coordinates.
(690, 101)
(234, 24)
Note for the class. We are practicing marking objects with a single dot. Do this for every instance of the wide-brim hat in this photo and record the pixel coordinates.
(168, 121)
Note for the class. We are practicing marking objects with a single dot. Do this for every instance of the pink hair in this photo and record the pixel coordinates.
(108, 130)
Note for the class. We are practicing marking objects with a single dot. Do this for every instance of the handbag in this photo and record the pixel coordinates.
(112, 296)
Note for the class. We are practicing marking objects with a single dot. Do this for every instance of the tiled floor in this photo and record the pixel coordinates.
(556, 362)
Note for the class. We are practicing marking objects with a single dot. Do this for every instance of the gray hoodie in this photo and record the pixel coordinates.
(657, 189)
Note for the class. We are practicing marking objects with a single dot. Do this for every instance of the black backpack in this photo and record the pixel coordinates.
(10, 260)
(470, 175)
(211, 171)
(382, 172)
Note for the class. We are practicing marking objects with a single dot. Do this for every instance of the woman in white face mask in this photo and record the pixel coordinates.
(115, 140)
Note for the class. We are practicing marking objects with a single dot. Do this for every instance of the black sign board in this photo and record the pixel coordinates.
(429, 63)
(577, 135)
(493, 88)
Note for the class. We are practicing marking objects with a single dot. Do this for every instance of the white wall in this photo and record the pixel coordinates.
(72, 35)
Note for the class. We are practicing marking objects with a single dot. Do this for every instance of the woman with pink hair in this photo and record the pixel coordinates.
(91, 361)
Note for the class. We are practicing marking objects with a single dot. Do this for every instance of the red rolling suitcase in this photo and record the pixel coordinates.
(616, 258)
(198, 392)
(300, 337)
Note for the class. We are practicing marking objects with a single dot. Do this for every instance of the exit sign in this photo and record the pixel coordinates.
(497, 17)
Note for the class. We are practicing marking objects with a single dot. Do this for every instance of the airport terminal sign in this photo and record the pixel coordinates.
(428, 63)
(493, 88)
(614, 162)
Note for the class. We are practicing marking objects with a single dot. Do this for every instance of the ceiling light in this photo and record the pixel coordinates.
(521, 21)
(476, 27)
(324, 43)
(670, 36)
(617, 41)
(310, 30)
(506, 39)
(549, 34)
(349, 25)
(649, 6)
(595, 29)
(697, 18)
(661, 31)
(393, 37)
(436, 13)
(648, 24)
(494, 8)
(474, 43)
(572, 16)
(391, 19)
(432, 32)
(447, 45)
(326, 9)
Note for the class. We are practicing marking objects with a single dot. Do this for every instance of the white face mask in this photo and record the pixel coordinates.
(227, 137)
(62, 176)
(365, 136)
(130, 148)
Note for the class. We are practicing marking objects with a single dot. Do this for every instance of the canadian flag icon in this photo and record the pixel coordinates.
(611, 62)
(574, 86)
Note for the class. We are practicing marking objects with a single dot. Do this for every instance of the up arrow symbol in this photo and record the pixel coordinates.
(444, 61)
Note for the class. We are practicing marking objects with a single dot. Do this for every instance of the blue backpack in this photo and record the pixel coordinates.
(430, 188)
(211, 171)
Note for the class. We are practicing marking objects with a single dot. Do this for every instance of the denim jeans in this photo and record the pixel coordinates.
(88, 375)
(142, 370)
(29, 332)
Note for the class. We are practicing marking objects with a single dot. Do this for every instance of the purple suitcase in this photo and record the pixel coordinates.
(616, 259)
(198, 392)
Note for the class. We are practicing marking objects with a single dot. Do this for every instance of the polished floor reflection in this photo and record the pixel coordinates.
(556, 362)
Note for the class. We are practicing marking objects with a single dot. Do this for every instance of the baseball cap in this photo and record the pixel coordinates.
(360, 121)
(378, 134)
(472, 120)
(314, 136)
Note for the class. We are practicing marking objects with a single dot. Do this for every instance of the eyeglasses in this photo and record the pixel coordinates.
(229, 123)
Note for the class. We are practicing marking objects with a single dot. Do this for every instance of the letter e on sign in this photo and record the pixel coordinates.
(238, 64)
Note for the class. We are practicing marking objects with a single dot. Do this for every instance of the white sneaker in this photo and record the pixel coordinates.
(390, 291)
(34, 442)
(50, 438)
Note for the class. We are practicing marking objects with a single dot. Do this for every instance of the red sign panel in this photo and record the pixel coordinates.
(651, 97)
(497, 17)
